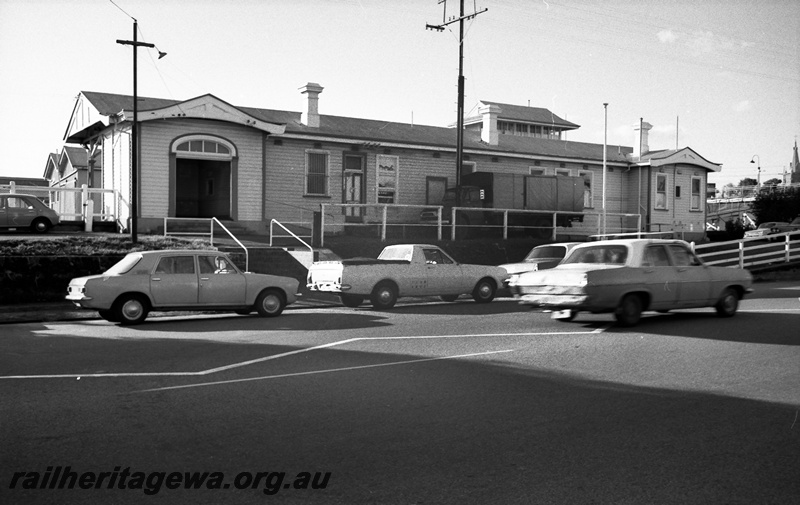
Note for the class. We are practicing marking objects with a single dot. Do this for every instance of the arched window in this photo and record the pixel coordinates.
(203, 146)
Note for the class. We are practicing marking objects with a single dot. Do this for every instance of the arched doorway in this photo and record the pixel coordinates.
(203, 177)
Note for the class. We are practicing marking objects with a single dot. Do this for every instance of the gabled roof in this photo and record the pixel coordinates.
(685, 155)
(522, 114)
(50, 165)
(78, 157)
(205, 106)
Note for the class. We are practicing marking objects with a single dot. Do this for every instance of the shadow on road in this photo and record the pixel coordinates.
(392, 431)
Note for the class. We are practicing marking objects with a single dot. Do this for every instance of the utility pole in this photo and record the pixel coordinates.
(460, 119)
(135, 134)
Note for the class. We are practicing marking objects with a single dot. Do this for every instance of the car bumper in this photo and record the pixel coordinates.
(555, 301)
(325, 287)
(84, 302)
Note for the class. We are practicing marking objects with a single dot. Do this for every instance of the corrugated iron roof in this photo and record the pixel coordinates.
(527, 114)
(375, 131)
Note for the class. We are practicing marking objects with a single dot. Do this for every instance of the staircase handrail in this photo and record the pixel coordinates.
(290, 232)
(246, 253)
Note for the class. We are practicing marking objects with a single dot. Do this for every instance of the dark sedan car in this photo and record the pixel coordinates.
(26, 211)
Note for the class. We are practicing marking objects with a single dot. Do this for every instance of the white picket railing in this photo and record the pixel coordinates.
(751, 252)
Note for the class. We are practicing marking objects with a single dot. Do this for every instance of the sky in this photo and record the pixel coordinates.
(719, 76)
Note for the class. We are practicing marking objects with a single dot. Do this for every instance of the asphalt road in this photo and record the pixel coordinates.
(428, 403)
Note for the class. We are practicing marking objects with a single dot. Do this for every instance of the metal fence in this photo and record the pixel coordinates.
(385, 220)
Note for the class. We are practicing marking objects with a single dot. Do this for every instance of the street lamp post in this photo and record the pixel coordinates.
(755, 156)
(135, 134)
(605, 142)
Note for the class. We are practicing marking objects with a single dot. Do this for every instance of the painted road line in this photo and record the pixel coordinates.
(329, 370)
(289, 353)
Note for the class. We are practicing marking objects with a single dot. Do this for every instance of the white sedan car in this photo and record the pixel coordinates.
(627, 277)
(540, 257)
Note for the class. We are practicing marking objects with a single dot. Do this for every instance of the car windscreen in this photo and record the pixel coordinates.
(608, 254)
(124, 265)
(396, 253)
(548, 252)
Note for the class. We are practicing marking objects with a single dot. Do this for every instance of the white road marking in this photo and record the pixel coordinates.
(290, 353)
(329, 370)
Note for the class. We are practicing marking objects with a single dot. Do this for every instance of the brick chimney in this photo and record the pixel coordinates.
(640, 142)
(489, 133)
(311, 116)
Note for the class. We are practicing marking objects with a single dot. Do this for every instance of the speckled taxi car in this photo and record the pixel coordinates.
(171, 280)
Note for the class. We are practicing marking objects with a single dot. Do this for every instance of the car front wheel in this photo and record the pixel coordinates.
(629, 311)
(728, 303)
(484, 291)
(270, 303)
(130, 309)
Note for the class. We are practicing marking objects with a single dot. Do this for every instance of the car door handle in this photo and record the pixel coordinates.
(155, 278)
(204, 278)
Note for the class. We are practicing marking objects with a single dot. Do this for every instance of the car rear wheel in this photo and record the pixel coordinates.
(40, 225)
(384, 296)
(270, 303)
(629, 311)
(130, 309)
(351, 301)
(728, 303)
(484, 291)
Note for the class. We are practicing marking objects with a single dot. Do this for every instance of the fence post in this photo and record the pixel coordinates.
(383, 224)
(88, 216)
(316, 228)
(555, 220)
(87, 211)
(505, 224)
(786, 248)
(741, 254)
(439, 224)
(322, 225)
